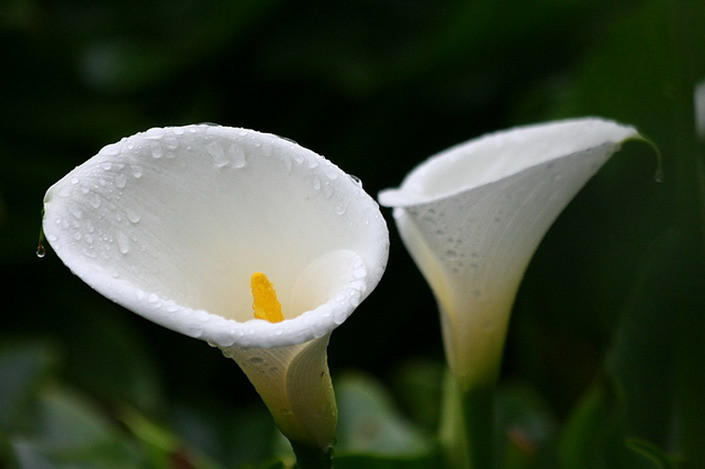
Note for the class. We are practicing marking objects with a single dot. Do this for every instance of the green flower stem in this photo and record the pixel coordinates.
(311, 456)
(467, 431)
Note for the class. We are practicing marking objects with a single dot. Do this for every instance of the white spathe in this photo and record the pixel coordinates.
(172, 222)
(473, 215)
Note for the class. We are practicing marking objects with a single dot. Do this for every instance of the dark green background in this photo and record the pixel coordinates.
(607, 337)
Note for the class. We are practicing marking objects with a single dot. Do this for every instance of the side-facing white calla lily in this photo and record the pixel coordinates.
(473, 215)
(172, 223)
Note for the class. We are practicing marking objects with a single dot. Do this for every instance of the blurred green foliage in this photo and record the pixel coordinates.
(605, 363)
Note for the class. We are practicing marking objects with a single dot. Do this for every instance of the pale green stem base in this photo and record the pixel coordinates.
(467, 426)
(312, 457)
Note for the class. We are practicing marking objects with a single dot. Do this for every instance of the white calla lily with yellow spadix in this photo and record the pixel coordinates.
(472, 217)
(207, 230)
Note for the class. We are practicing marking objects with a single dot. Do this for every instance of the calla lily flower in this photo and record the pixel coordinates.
(473, 215)
(172, 223)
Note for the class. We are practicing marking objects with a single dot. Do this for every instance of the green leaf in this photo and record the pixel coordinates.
(526, 429)
(652, 452)
(418, 388)
(71, 433)
(22, 369)
(369, 424)
(379, 462)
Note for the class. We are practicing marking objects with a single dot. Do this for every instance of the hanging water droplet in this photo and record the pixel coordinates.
(41, 251)
(356, 180)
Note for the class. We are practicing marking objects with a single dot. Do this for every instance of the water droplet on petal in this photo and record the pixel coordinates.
(120, 181)
(41, 251)
(340, 209)
(123, 242)
(316, 183)
(133, 216)
(155, 133)
(216, 152)
(94, 201)
(110, 150)
(239, 157)
(156, 150)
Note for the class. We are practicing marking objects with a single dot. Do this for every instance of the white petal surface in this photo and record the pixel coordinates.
(171, 223)
(472, 217)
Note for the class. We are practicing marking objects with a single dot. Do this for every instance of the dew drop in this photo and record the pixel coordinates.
(215, 150)
(156, 151)
(120, 181)
(316, 183)
(94, 201)
(239, 157)
(106, 166)
(41, 251)
(155, 133)
(110, 150)
(133, 216)
(340, 209)
(74, 180)
(356, 180)
(123, 242)
(171, 142)
(256, 360)
(137, 171)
